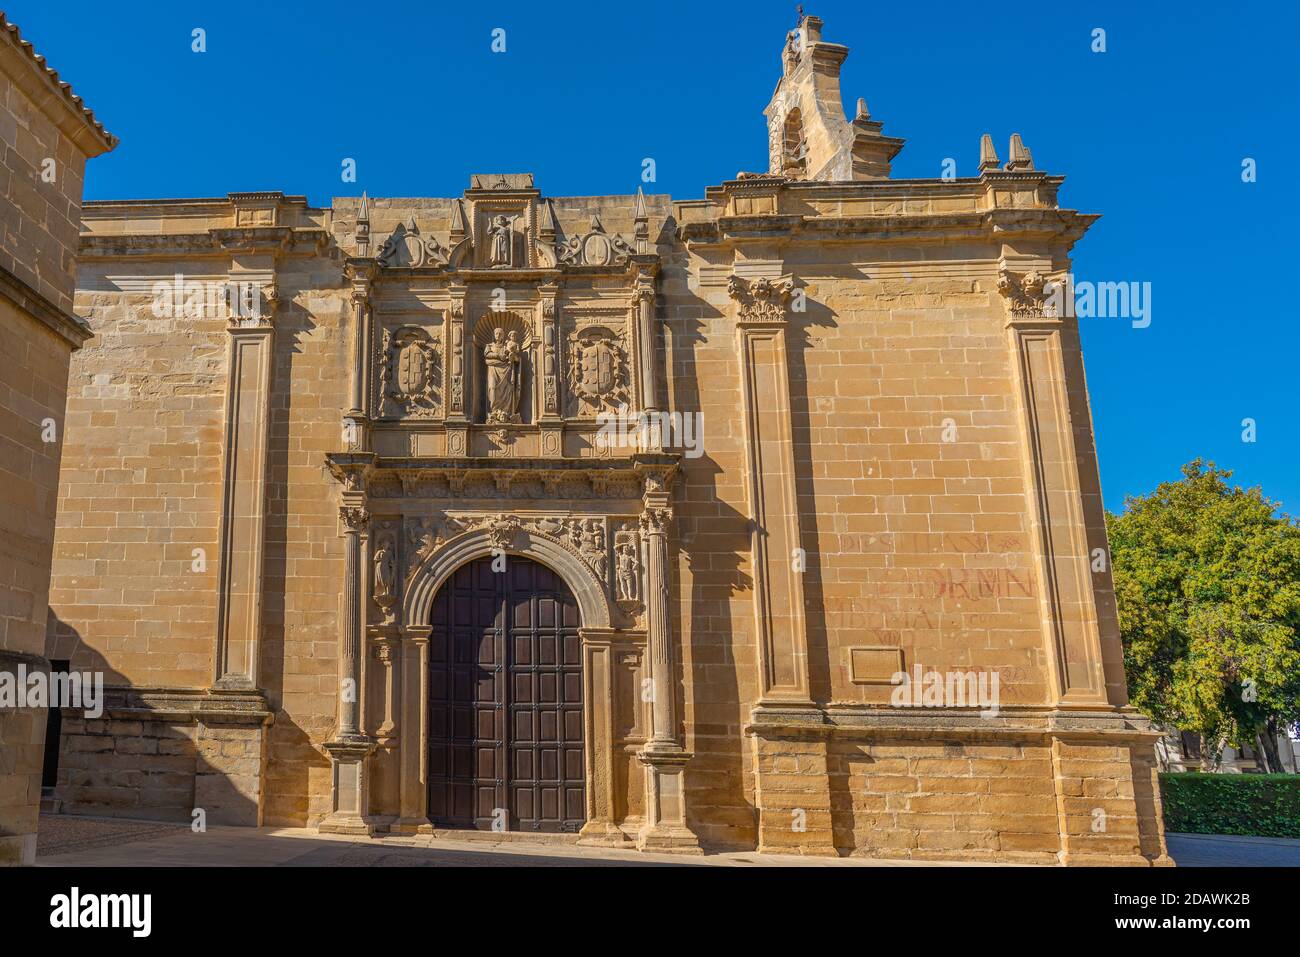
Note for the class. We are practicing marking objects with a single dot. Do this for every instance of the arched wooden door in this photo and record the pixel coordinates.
(505, 700)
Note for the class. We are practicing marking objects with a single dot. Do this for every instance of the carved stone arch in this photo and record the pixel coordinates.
(430, 574)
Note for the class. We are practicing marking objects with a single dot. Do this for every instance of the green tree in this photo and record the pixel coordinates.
(1207, 577)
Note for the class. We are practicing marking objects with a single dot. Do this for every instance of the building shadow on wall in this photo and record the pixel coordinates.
(136, 752)
(798, 344)
(712, 536)
(290, 752)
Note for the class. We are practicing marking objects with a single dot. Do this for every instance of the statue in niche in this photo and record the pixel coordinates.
(500, 242)
(501, 357)
(629, 572)
(385, 576)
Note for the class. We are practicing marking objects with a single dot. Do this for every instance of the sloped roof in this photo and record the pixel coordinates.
(51, 76)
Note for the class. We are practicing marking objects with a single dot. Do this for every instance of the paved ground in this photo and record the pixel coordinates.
(1222, 850)
(74, 841)
(68, 841)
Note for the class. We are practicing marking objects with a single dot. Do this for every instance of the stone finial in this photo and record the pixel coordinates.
(988, 155)
(1021, 158)
(641, 232)
(459, 226)
(363, 226)
(862, 113)
(545, 221)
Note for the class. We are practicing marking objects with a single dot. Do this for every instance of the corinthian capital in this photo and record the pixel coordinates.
(656, 520)
(355, 517)
(761, 300)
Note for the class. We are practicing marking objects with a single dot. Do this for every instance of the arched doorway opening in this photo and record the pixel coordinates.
(505, 700)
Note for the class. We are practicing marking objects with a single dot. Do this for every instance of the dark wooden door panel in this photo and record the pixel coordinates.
(505, 700)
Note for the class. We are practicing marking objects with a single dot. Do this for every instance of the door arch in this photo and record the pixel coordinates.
(505, 745)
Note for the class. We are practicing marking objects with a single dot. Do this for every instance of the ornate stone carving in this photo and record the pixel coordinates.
(355, 517)
(409, 374)
(589, 539)
(594, 248)
(407, 248)
(501, 359)
(656, 521)
(598, 377)
(1026, 293)
(250, 305)
(760, 300)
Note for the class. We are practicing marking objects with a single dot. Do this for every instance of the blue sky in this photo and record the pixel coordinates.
(1151, 134)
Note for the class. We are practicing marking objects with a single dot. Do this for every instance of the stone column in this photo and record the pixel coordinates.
(360, 272)
(663, 755)
(644, 298)
(350, 747)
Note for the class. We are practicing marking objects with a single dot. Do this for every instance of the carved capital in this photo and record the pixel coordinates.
(656, 520)
(762, 299)
(355, 517)
(1029, 294)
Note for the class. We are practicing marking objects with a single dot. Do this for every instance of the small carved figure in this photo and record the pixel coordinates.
(500, 236)
(629, 568)
(385, 576)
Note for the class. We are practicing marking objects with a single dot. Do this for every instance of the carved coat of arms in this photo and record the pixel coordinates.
(409, 376)
(597, 374)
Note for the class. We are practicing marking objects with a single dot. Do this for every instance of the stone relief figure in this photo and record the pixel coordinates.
(593, 545)
(385, 576)
(501, 357)
(500, 242)
(628, 573)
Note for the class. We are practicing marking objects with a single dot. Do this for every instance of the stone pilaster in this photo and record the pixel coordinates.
(1057, 521)
(774, 507)
(458, 375)
(663, 755)
(250, 363)
(548, 398)
(598, 692)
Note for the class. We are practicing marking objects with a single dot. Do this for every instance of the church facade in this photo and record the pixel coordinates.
(765, 520)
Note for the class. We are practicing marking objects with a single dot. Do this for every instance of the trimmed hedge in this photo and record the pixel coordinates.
(1267, 805)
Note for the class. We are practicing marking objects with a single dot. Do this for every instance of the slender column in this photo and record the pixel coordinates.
(360, 272)
(355, 520)
(644, 298)
(350, 747)
(654, 526)
(663, 756)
